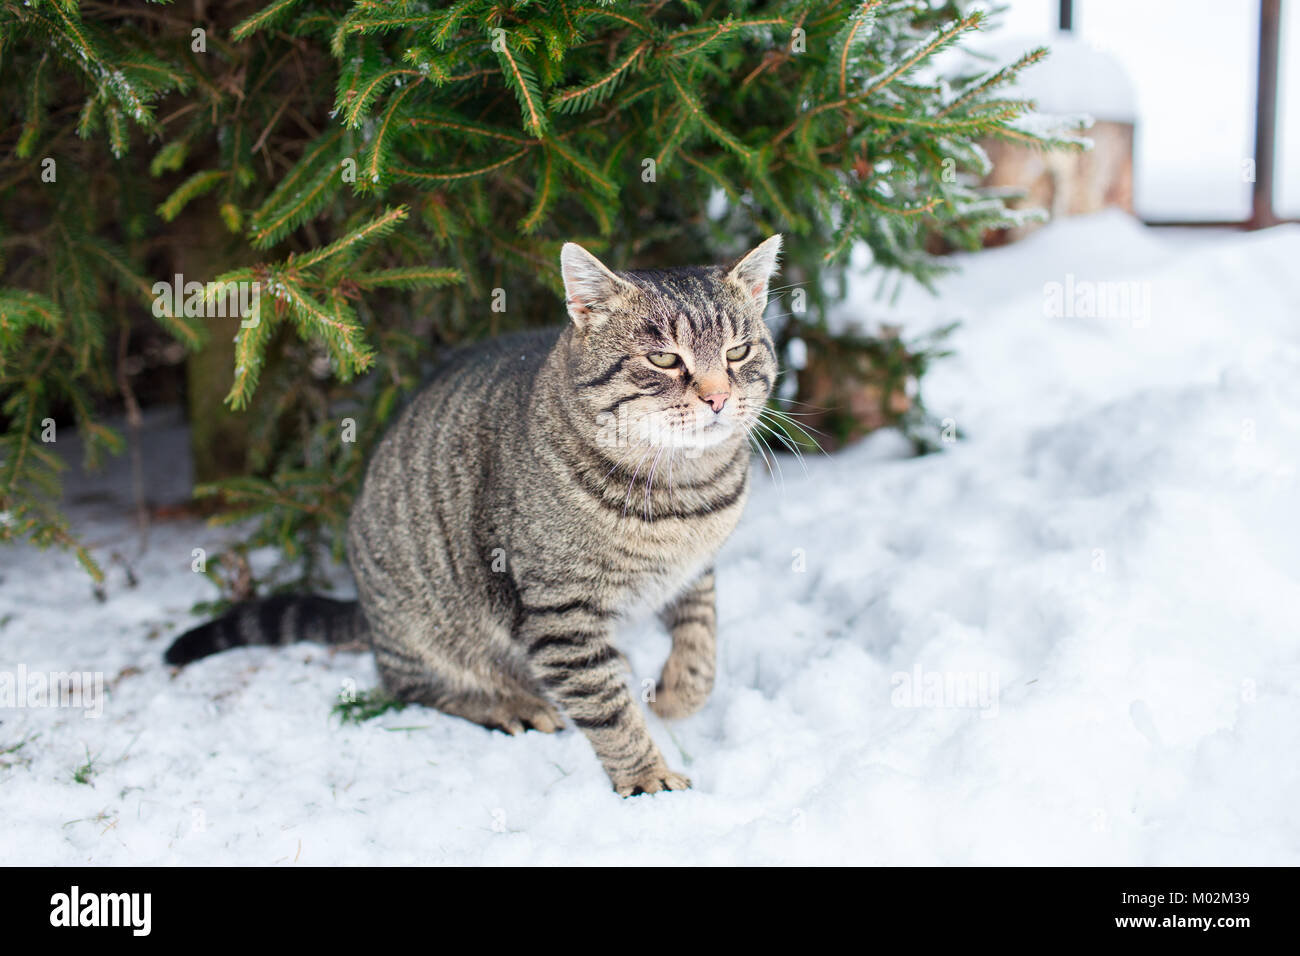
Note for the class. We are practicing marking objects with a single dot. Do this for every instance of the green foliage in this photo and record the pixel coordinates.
(366, 705)
(85, 773)
(12, 756)
(379, 168)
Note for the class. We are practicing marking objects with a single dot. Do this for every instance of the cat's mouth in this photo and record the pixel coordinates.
(679, 427)
(703, 434)
(687, 435)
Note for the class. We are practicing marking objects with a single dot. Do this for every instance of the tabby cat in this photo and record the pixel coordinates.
(544, 486)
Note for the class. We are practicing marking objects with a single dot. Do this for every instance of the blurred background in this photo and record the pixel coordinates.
(1205, 87)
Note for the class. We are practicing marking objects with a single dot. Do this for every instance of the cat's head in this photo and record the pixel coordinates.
(675, 358)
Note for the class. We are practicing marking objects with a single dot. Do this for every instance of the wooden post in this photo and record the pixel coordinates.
(1270, 15)
(218, 436)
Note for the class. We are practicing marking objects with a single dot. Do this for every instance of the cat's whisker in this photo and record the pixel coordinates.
(628, 454)
(791, 401)
(754, 444)
(783, 288)
(786, 413)
(631, 485)
(633, 446)
(805, 431)
(672, 498)
(650, 482)
(771, 419)
(783, 439)
(758, 442)
(769, 459)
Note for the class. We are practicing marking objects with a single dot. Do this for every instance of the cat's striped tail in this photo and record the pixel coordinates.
(277, 620)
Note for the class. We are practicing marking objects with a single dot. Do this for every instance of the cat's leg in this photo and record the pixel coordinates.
(519, 708)
(498, 704)
(511, 715)
(687, 677)
(572, 654)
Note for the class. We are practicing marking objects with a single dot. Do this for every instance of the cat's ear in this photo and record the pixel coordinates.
(753, 272)
(587, 283)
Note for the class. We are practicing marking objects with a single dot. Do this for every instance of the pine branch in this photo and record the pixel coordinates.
(858, 30)
(409, 277)
(927, 48)
(263, 19)
(700, 116)
(372, 231)
(199, 184)
(454, 175)
(582, 166)
(271, 226)
(593, 94)
(378, 157)
(544, 193)
(357, 101)
(522, 80)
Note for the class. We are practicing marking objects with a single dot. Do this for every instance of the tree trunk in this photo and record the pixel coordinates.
(219, 437)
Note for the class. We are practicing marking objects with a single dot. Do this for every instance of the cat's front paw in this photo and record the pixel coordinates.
(670, 704)
(681, 691)
(651, 781)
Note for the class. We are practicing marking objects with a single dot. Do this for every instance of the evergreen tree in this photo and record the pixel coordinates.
(397, 177)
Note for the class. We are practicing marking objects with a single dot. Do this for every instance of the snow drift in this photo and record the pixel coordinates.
(1070, 637)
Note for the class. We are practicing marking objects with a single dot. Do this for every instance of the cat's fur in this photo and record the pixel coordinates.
(540, 489)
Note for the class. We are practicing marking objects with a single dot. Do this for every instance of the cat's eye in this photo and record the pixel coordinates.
(738, 353)
(664, 359)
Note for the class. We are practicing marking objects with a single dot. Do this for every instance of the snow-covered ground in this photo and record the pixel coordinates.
(1109, 561)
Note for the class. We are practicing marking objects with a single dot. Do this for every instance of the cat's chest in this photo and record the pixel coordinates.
(660, 563)
(651, 589)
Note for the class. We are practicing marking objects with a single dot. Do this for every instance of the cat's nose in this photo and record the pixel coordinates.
(716, 400)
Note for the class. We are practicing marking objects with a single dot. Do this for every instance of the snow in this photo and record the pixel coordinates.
(1076, 76)
(1070, 637)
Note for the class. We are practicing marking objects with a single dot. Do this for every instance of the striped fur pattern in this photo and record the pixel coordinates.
(281, 619)
(546, 485)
